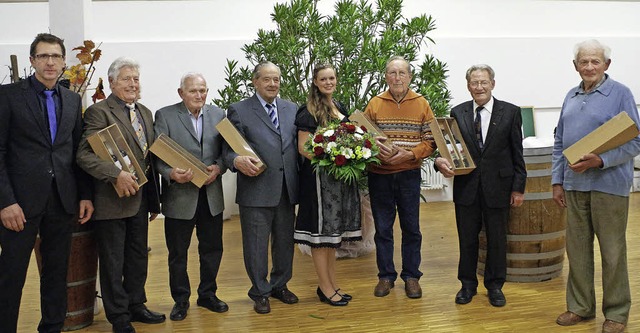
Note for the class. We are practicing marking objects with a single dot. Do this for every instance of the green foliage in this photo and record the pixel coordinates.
(357, 39)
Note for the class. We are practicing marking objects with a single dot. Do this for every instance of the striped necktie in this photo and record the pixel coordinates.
(137, 126)
(273, 115)
(478, 126)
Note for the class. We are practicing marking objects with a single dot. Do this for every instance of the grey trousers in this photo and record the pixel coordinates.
(605, 216)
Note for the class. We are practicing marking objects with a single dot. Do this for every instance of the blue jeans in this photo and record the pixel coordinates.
(389, 192)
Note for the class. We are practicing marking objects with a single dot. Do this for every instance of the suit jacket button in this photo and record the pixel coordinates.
(281, 169)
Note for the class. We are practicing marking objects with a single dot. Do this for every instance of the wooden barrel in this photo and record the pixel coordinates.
(536, 230)
(81, 278)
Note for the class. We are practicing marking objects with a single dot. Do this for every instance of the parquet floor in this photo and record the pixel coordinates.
(531, 307)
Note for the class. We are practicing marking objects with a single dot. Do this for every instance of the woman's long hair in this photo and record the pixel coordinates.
(319, 105)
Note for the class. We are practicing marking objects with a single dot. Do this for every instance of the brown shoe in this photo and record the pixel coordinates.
(569, 318)
(383, 288)
(412, 288)
(611, 326)
(261, 305)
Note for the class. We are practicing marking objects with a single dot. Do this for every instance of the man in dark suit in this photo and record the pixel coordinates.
(191, 123)
(40, 183)
(492, 131)
(122, 224)
(267, 200)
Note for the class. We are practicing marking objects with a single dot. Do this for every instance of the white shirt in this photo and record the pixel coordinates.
(485, 113)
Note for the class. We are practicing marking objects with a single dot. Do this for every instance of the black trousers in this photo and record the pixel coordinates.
(122, 250)
(469, 220)
(178, 237)
(54, 226)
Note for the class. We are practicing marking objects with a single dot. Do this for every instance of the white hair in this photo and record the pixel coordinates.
(189, 76)
(591, 44)
(120, 63)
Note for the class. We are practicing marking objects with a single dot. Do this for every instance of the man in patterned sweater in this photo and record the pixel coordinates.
(403, 115)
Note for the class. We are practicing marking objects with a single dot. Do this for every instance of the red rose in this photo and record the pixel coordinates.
(341, 160)
(332, 138)
(317, 150)
(367, 143)
(364, 129)
(318, 138)
(351, 128)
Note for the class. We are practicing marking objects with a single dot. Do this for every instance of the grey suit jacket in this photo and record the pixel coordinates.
(29, 161)
(180, 201)
(500, 167)
(107, 204)
(278, 149)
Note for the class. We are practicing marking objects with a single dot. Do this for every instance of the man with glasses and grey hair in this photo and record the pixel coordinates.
(192, 124)
(122, 224)
(394, 185)
(492, 131)
(595, 191)
(42, 190)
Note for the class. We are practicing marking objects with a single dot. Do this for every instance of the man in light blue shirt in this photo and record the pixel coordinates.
(595, 191)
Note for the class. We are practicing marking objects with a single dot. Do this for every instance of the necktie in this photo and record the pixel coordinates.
(273, 115)
(51, 114)
(137, 126)
(478, 126)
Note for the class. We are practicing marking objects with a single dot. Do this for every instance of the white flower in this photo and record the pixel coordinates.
(331, 146)
(359, 130)
(328, 133)
(357, 136)
(347, 152)
(366, 153)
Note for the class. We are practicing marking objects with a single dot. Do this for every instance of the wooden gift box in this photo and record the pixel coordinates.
(361, 119)
(110, 145)
(177, 157)
(450, 144)
(237, 142)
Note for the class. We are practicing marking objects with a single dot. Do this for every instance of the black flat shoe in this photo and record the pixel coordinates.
(325, 299)
(496, 297)
(144, 315)
(179, 311)
(465, 295)
(345, 297)
(213, 303)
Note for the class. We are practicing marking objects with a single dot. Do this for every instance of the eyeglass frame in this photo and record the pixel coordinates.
(44, 57)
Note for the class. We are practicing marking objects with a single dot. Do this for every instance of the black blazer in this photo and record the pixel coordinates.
(500, 166)
(29, 161)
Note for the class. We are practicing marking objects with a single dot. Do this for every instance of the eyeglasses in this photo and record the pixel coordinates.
(47, 56)
(401, 74)
(475, 84)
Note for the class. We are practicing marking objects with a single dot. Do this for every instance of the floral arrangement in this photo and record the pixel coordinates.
(80, 75)
(343, 150)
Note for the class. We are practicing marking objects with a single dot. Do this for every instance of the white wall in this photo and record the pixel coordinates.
(529, 43)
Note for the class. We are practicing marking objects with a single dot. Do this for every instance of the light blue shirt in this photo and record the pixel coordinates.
(264, 104)
(581, 114)
(196, 121)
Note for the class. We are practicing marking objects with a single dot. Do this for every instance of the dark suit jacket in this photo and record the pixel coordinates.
(179, 201)
(278, 149)
(500, 166)
(28, 159)
(107, 204)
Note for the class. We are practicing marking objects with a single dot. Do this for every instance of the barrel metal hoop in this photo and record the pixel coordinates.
(81, 282)
(536, 237)
(538, 195)
(536, 256)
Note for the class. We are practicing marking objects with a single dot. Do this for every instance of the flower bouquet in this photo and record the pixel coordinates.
(343, 150)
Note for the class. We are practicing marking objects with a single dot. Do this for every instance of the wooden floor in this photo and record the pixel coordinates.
(531, 307)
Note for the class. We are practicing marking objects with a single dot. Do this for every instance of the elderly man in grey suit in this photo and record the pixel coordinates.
(267, 199)
(191, 123)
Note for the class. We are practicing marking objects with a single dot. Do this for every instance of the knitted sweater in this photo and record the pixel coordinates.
(406, 124)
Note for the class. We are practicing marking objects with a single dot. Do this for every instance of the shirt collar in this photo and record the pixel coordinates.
(264, 103)
(488, 106)
(39, 87)
(581, 86)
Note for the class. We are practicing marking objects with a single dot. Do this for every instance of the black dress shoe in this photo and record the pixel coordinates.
(213, 303)
(261, 305)
(465, 295)
(323, 298)
(345, 297)
(179, 311)
(123, 328)
(144, 315)
(496, 297)
(284, 295)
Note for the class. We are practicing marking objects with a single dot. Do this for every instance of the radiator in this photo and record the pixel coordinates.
(431, 179)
